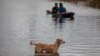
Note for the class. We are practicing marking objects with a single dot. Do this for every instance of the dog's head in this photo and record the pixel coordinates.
(60, 41)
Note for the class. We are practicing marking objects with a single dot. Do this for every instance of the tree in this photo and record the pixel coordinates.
(95, 3)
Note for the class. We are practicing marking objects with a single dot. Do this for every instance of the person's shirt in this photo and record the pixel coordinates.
(62, 10)
(55, 10)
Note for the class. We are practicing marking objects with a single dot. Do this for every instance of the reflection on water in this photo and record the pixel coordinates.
(46, 54)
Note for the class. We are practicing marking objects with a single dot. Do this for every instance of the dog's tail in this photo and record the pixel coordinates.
(31, 43)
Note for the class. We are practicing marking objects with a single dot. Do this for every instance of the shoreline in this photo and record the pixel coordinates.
(81, 2)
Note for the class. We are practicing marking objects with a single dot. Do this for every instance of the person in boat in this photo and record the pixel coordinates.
(55, 8)
(64, 14)
(55, 12)
(61, 12)
(61, 9)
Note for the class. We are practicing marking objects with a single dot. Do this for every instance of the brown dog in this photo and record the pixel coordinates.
(48, 48)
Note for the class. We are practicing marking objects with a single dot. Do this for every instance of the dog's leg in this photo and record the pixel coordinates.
(35, 51)
(38, 50)
(55, 50)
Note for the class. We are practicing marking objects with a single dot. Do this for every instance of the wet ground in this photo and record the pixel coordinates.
(25, 20)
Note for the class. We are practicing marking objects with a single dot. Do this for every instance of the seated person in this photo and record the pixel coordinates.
(61, 9)
(55, 8)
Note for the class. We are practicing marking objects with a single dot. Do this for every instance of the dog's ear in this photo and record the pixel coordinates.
(58, 41)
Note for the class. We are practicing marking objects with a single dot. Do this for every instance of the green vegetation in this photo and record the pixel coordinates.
(94, 3)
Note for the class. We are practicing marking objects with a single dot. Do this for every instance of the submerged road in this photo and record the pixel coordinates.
(25, 20)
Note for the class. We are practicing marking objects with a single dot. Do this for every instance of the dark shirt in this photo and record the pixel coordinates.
(55, 10)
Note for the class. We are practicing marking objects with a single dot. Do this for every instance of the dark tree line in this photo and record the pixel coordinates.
(94, 3)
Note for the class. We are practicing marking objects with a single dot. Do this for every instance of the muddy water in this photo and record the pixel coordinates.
(25, 20)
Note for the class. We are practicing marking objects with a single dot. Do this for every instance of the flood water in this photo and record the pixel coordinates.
(24, 20)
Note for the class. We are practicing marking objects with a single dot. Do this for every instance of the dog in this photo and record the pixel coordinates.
(48, 48)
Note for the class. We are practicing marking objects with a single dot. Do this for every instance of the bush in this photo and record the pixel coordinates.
(95, 3)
